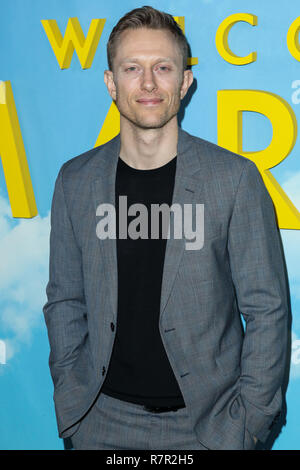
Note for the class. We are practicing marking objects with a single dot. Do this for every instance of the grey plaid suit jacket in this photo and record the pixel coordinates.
(230, 379)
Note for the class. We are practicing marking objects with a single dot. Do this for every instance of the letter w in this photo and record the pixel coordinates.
(63, 47)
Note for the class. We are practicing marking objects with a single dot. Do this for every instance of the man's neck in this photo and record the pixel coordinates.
(144, 149)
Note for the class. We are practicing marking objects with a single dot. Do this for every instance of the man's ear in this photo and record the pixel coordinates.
(109, 82)
(188, 79)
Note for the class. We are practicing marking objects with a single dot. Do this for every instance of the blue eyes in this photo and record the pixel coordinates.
(132, 69)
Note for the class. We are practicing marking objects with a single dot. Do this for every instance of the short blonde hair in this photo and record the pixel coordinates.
(147, 17)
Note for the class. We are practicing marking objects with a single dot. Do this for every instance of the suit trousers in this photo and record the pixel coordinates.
(119, 425)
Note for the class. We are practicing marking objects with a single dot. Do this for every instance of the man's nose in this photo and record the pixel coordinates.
(148, 80)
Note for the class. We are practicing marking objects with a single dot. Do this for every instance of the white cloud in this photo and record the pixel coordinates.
(291, 238)
(24, 255)
(291, 243)
(295, 358)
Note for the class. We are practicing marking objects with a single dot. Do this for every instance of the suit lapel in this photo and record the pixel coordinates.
(187, 189)
(103, 190)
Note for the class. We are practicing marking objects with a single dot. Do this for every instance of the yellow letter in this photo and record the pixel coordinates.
(63, 47)
(222, 39)
(180, 20)
(111, 125)
(15, 167)
(231, 104)
(293, 39)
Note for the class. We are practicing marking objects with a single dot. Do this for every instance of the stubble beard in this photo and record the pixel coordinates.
(143, 123)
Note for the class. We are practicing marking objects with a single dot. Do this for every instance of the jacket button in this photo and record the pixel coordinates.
(103, 370)
(112, 326)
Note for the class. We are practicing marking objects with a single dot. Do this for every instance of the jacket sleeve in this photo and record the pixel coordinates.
(258, 273)
(65, 310)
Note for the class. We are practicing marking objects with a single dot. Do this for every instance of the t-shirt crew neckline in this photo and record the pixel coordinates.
(149, 172)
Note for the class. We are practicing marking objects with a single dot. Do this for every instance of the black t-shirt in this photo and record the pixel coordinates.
(139, 370)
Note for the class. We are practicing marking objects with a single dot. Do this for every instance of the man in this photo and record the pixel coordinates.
(147, 346)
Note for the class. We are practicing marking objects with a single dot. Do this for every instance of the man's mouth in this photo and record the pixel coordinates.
(150, 102)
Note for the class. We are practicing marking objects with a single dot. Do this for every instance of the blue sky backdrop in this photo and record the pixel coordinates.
(61, 113)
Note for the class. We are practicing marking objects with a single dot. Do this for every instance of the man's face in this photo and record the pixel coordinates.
(147, 82)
